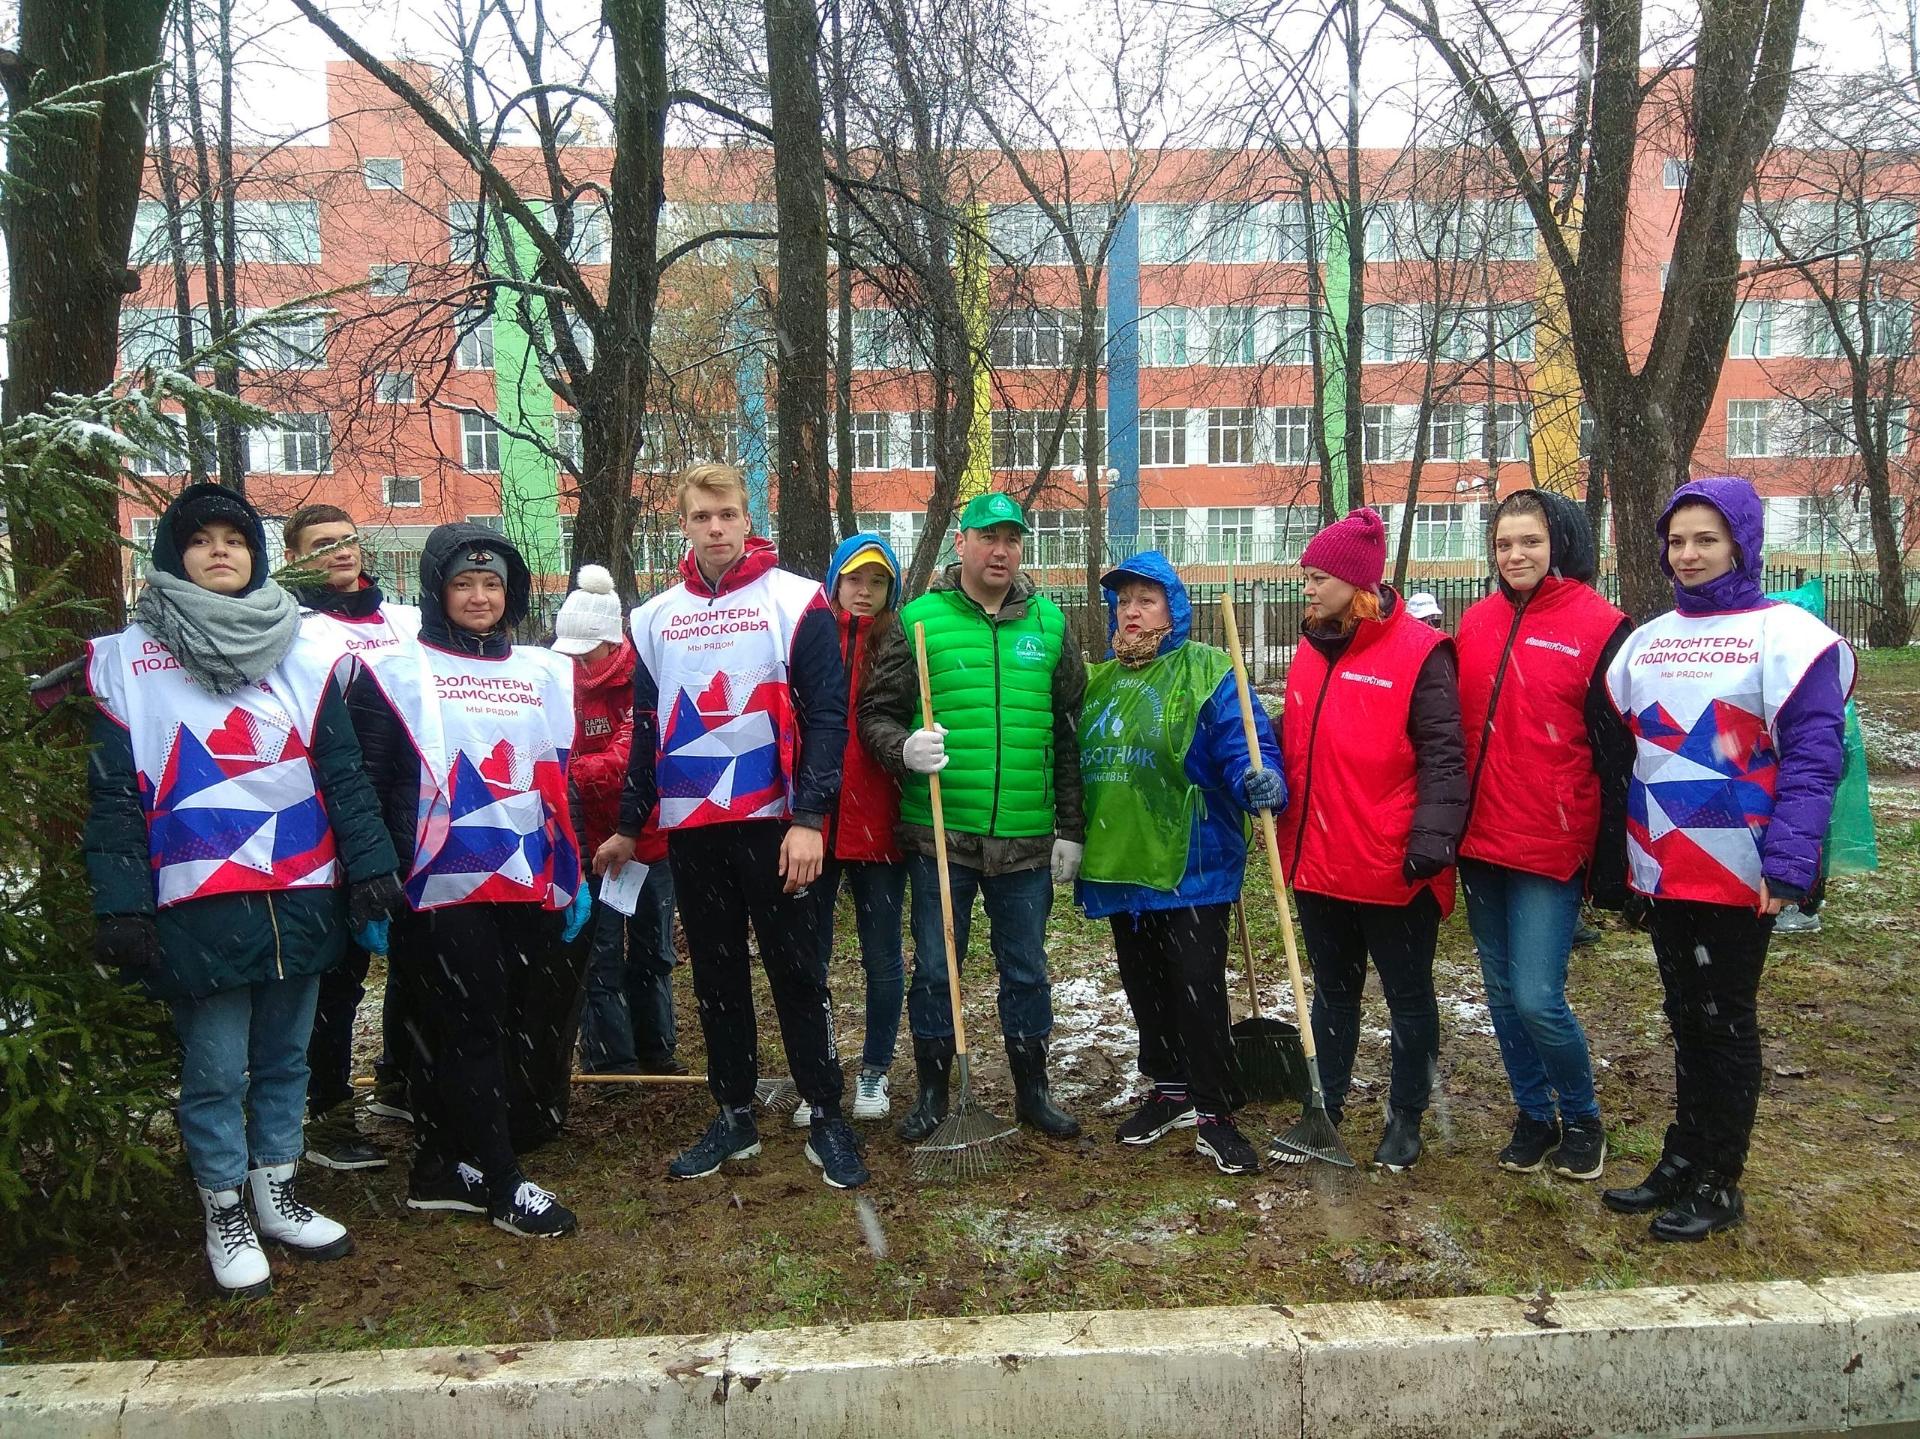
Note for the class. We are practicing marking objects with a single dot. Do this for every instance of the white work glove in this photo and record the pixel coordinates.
(925, 751)
(1066, 860)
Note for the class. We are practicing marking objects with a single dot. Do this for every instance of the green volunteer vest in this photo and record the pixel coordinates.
(1135, 731)
(993, 690)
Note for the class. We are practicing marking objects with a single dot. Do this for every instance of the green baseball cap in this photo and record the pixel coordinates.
(993, 509)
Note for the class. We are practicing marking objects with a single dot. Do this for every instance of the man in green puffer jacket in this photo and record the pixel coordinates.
(1007, 684)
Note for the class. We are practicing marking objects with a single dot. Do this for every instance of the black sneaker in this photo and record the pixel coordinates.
(462, 1189)
(1532, 1138)
(1709, 1206)
(1219, 1141)
(1583, 1150)
(336, 1143)
(390, 1102)
(730, 1136)
(532, 1213)
(1156, 1118)
(834, 1148)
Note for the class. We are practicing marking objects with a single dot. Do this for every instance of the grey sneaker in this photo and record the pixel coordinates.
(871, 1099)
(1791, 920)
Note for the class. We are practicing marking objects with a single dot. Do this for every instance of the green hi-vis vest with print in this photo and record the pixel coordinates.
(992, 683)
(1135, 730)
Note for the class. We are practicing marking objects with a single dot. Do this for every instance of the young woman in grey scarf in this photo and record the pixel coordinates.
(232, 841)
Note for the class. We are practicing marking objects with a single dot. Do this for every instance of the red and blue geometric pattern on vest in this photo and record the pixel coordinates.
(499, 845)
(725, 754)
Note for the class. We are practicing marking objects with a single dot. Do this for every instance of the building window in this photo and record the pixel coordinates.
(879, 522)
(1513, 332)
(169, 460)
(142, 536)
(1229, 436)
(1236, 236)
(1674, 174)
(566, 440)
(1749, 429)
(1381, 237)
(1163, 437)
(467, 221)
(1165, 531)
(1389, 333)
(1511, 437)
(1293, 526)
(1293, 338)
(1752, 331)
(303, 444)
(872, 440)
(1376, 432)
(591, 236)
(474, 348)
(1293, 435)
(1229, 536)
(395, 388)
(496, 523)
(1059, 538)
(1164, 233)
(1446, 532)
(480, 443)
(150, 339)
(1451, 433)
(920, 440)
(1230, 334)
(1020, 439)
(401, 491)
(286, 342)
(1032, 339)
(277, 232)
(1827, 428)
(387, 279)
(1025, 235)
(1163, 337)
(383, 173)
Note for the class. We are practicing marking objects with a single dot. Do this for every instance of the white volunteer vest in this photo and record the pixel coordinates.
(226, 781)
(492, 737)
(390, 627)
(1702, 695)
(726, 726)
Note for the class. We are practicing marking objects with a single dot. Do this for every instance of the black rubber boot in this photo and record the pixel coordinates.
(1400, 1146)
(1712, 1204)
(1671, 1178)
(1032, 1095)
(933, 1060)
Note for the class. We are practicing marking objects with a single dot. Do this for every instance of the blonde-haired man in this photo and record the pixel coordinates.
(739, 722)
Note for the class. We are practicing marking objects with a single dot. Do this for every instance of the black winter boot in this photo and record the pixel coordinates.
(1032, 1097)
(933, 1059)
(1713, 1203)
(1671, 1178)
(1400, 1146)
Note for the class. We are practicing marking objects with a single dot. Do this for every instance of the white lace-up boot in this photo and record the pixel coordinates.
(233, 1250)
(285, 1220)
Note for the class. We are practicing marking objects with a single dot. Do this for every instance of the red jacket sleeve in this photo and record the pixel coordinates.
(601, 775)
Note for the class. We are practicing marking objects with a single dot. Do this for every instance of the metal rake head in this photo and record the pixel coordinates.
(1314, 1137)
(776, 1096)
(969, 1143)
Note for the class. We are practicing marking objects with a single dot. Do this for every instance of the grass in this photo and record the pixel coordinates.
(1090, 1224)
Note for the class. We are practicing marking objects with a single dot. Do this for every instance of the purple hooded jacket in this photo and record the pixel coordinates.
(1811, 726)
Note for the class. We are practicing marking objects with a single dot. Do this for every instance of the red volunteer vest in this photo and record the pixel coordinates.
(1535, 802)
(1351, 767)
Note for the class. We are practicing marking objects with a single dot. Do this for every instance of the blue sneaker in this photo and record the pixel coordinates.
(833, 1147)
(730, 1136)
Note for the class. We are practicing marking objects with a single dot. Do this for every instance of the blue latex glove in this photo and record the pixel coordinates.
(372, 936)
(577, 913)
(1264, 788)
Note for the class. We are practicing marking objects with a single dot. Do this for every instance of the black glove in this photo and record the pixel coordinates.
(126, 941)
(1416, 868)
(371, 899)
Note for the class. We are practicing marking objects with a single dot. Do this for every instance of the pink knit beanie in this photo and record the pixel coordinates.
(1353, 549)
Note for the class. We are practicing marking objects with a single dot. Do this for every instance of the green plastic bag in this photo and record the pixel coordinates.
(1850, 846)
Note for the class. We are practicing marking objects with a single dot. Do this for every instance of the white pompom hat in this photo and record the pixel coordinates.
(590, 615)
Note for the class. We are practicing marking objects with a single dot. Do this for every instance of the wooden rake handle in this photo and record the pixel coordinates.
(1232, 626)
(940, 847)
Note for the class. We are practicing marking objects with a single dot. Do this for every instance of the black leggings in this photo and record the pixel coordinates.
(725, 875)
(1173, 964)
(1339, 935)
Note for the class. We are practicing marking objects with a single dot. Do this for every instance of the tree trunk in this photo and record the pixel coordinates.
(800, 305)
(843, 291)
(1092, 455)
(1892, 624)
(1317, 356)
(183, 337)
(68, 260)
(1353, 341)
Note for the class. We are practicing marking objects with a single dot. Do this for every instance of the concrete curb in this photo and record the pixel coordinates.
(1835, 1356)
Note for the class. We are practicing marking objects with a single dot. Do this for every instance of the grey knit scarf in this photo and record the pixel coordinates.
(226, 642)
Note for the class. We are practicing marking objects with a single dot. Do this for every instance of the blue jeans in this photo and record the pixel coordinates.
(243, 1077)
(628, 1016)
(879, 894)
(1523, 927)
(1017, 909)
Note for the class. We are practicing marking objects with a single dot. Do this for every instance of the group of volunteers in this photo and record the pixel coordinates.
(288, 780)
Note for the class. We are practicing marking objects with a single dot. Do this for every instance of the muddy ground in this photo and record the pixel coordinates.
(1089, 1224)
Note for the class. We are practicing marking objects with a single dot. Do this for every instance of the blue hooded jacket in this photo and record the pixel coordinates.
(1217, 762)
(851, 546)
(1810, 728)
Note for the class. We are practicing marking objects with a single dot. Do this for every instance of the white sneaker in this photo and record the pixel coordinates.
(233, 1249)
(1792, 920)
(285, 1220)
(870, 1097)
(803, 1116)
